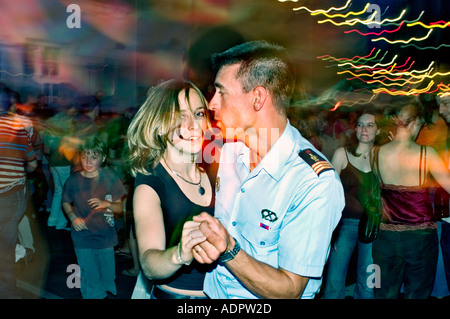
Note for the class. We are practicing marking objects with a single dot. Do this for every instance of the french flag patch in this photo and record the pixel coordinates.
(264, 226)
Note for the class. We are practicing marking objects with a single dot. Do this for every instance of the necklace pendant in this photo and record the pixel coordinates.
(201, 190)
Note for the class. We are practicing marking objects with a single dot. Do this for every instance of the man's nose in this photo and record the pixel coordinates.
(213, 104)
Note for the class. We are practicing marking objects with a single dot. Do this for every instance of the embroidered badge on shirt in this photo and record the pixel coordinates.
(268, 215)
(317, 163)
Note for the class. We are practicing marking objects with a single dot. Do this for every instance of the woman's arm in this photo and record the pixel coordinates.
(339, 160)
(157, 260)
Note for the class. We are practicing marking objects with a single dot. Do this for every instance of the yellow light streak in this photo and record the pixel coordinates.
(410, 92)
(340, 15)
(429, 26)
(403, 41)
(352, 21)
(321, 10)
(368, 21)
(368, 66)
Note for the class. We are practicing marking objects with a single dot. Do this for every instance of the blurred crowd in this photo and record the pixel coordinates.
(58, 129)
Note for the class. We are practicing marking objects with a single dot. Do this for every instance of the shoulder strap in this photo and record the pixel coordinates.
(420, 165)
(423, 155)
(346, 154)
(374, 163)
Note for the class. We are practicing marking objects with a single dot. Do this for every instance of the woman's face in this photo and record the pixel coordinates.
(188, 137)
(366, 128)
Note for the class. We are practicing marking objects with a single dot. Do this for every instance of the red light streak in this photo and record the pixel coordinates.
(374, 33)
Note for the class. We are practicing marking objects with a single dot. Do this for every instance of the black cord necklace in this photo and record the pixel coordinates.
(201, 189)
(363, 155)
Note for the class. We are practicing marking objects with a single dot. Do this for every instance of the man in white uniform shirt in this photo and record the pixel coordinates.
(278, 199)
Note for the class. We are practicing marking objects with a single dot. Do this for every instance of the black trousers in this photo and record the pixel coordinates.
(409, 258)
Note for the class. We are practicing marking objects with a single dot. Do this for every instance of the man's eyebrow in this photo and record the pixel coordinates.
(218, 85)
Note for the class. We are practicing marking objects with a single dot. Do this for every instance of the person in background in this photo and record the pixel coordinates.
(17, 157)
(60, 149)
(90, 199)
(444, 110)
(406, 249)
(352, 163)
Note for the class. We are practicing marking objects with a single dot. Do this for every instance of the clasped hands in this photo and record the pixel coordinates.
(204, 239)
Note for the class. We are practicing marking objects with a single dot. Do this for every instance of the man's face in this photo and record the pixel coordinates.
(232, 107)
(444, 107)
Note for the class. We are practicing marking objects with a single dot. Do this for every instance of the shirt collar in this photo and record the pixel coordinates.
(278, 155)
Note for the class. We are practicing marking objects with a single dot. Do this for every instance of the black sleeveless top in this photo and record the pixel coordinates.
(177, 209)
(356, 185)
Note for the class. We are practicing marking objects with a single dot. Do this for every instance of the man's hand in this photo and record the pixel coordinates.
(218, 240)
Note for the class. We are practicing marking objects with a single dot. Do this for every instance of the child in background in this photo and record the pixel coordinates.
(90, 199)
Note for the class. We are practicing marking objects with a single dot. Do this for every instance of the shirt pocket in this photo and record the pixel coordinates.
(261, 244)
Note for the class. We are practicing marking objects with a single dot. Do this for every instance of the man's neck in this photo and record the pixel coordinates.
(260, 140)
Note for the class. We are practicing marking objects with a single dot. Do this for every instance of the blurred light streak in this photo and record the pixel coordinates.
(431, 26)
(329, 57)
(16, 74)
(406, 21)
(374, 33)
(426, 48)
(436, 74)
(394, 74)
(336, 106)
(400, 92)
(368, 66)
(364, 59)
(352, 21)
(405, 82)
(401, 72)
(368, 21)
(340, 15)
(404, 41)
(323, 11)
(390, 20)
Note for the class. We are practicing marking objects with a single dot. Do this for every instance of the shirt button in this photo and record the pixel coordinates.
(233, 223)
(242, 190)
(262, 243)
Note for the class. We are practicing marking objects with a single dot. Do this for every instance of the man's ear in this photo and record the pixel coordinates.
(259, 97)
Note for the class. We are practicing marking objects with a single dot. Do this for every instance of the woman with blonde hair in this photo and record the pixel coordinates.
(165, 141)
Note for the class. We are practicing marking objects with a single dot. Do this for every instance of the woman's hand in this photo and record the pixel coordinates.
(191, 236)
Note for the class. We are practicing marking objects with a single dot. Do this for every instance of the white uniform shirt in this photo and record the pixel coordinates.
(282, 213)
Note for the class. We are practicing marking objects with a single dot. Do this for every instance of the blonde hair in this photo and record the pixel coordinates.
(149, 131)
